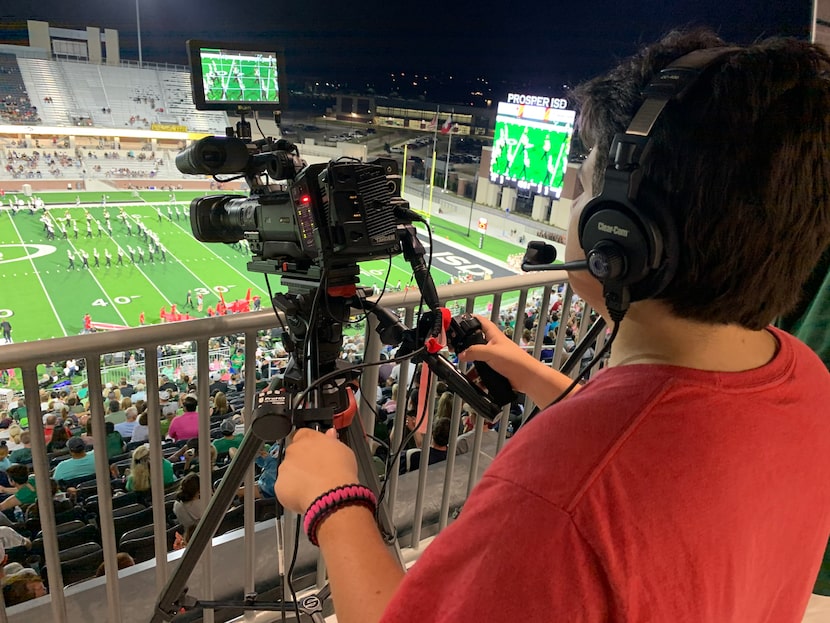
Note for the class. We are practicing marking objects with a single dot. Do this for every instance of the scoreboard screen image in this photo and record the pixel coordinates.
(225, 77)
(530, 147)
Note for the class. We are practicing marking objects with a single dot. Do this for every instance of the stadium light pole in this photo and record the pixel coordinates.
(472, 205)
(138, 30)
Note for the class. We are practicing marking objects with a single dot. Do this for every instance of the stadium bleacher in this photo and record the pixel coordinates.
(79, 93)
(15, 105)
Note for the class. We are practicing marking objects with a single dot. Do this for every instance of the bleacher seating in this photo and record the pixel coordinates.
(15, 106)
(79, 93)
(43, 79)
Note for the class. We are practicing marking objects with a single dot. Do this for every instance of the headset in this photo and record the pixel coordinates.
(630, 238)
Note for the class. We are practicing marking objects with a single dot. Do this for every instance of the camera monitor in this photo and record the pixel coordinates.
(233, 77)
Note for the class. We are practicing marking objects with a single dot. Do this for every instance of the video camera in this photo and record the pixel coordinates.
(298, 217)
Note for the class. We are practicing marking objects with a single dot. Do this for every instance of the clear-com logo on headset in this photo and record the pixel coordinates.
(612, 229)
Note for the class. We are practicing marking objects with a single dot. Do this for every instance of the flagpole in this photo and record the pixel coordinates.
(449, 145)
(434, 160)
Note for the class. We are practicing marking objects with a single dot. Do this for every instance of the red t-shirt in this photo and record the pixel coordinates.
(656, 493)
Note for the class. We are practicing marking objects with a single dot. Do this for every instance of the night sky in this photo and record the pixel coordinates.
(537, 44)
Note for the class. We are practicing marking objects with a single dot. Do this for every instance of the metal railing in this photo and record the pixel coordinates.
(104, 599)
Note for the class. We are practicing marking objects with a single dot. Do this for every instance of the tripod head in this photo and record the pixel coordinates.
(315, 311)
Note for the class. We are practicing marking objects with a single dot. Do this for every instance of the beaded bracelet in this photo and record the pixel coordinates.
(330, 501)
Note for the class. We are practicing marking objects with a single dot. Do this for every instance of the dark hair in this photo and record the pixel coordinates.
(190, 403)
(17, 473)
(188, 487)
(441, 432)
(59, 438)
(742, 163)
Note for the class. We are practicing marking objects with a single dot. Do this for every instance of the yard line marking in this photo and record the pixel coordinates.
(182, 264)
(92, 274)
(150, 281)
(42, 285)
(223, 260)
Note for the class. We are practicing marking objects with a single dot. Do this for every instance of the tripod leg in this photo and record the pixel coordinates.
(166, 606)
(356, 440)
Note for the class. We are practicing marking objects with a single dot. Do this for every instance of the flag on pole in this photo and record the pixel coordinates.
(445, 129)
(433, 124)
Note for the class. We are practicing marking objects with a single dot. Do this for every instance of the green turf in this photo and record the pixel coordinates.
(46, 299)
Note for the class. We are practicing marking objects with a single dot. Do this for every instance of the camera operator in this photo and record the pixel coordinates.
(686, 482)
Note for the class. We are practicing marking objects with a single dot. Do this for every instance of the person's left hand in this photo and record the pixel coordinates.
(314, 463)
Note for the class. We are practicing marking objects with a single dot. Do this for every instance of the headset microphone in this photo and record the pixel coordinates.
(540, 256)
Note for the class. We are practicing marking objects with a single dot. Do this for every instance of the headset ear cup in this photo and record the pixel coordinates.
(658, 205)
(614, 237)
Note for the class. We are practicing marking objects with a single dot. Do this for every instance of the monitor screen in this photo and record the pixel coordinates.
(229, 77)
(530, 147)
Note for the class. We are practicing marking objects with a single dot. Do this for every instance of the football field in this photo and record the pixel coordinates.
(45, 294)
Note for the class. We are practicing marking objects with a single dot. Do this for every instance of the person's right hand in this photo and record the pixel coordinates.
(314, 464)
(504, 356)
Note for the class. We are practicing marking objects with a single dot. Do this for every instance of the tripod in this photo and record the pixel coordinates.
(314, 341)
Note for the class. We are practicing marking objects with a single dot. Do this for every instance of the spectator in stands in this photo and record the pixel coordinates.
(139, 393)
(122, 559)
(267, 462)
(22, 586)
(115, 413)
(189, 453)
(166, 384)
(229, 438)
(217, 384)
(437, 448)
(141, 432)
(49, 424)
(167, 404)
(5, 462)
(57, 445)
(186, 425)
(126, 388)
(19, 413)
(115, 442)
(138, 478)
(81, 463)
(126, 428)
(24, 454)
(9, 537)
(22, 491)
(220, 405)
(189, 506)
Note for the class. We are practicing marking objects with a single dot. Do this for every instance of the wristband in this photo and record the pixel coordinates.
(331, 501)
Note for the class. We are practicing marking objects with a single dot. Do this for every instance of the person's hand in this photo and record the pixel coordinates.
(314, 463)
(503, 355)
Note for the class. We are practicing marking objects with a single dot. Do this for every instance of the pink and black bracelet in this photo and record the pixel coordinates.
(335, 499)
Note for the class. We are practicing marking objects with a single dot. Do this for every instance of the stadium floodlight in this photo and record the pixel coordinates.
(138, 31)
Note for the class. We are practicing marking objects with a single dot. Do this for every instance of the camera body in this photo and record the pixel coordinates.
(340, 212)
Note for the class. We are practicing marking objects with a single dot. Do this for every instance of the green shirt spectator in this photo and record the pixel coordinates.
(115, 442)
(167, 473)
(229, 439)
(24, 454)
(81, 463)
(22, 491)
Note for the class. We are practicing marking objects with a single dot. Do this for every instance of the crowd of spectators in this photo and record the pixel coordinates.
(15, 105)
(71, 447)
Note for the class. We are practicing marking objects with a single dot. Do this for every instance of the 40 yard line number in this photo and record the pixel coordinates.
(118, 300)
